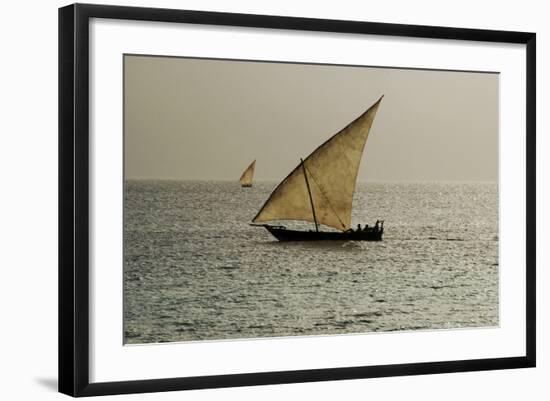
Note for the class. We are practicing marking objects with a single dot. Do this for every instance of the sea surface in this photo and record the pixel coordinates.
(194, 269)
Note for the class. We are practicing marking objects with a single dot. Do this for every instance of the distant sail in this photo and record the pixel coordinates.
(248, 175)
(331, 172)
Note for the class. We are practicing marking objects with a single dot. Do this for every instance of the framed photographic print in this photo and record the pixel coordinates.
(250, 199)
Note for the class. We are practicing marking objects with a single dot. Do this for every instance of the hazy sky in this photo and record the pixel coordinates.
(208, 119)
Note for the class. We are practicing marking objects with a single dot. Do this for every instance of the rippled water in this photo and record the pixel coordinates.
(195, 270)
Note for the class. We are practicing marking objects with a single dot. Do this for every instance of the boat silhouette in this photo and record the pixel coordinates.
(248, 175)
(321, 188)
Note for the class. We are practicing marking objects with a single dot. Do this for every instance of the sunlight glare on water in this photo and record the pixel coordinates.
(195, 270)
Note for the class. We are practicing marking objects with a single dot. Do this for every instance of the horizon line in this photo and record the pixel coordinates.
(277, 180)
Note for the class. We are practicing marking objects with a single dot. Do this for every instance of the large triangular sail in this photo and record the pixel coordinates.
(248, 175)
(331, 172)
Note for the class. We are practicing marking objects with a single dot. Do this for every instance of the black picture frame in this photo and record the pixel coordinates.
(74, 198)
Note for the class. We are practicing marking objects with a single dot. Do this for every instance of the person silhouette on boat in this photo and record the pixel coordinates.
(377, 225)
(366, 227)
(358, 228)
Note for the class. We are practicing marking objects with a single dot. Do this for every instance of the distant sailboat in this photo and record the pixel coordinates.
(248, 175)
(320, 189)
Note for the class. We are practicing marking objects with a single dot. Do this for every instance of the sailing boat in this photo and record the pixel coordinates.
(248, 174)
(320, 189)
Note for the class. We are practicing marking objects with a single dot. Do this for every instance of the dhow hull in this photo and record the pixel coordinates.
(285, 235)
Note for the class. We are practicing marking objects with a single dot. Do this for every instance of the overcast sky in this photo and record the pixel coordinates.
(208, 119)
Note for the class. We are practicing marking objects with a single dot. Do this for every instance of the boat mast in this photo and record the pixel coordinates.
(310, 198)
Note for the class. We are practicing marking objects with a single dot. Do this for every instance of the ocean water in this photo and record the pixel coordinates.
(195, 270)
